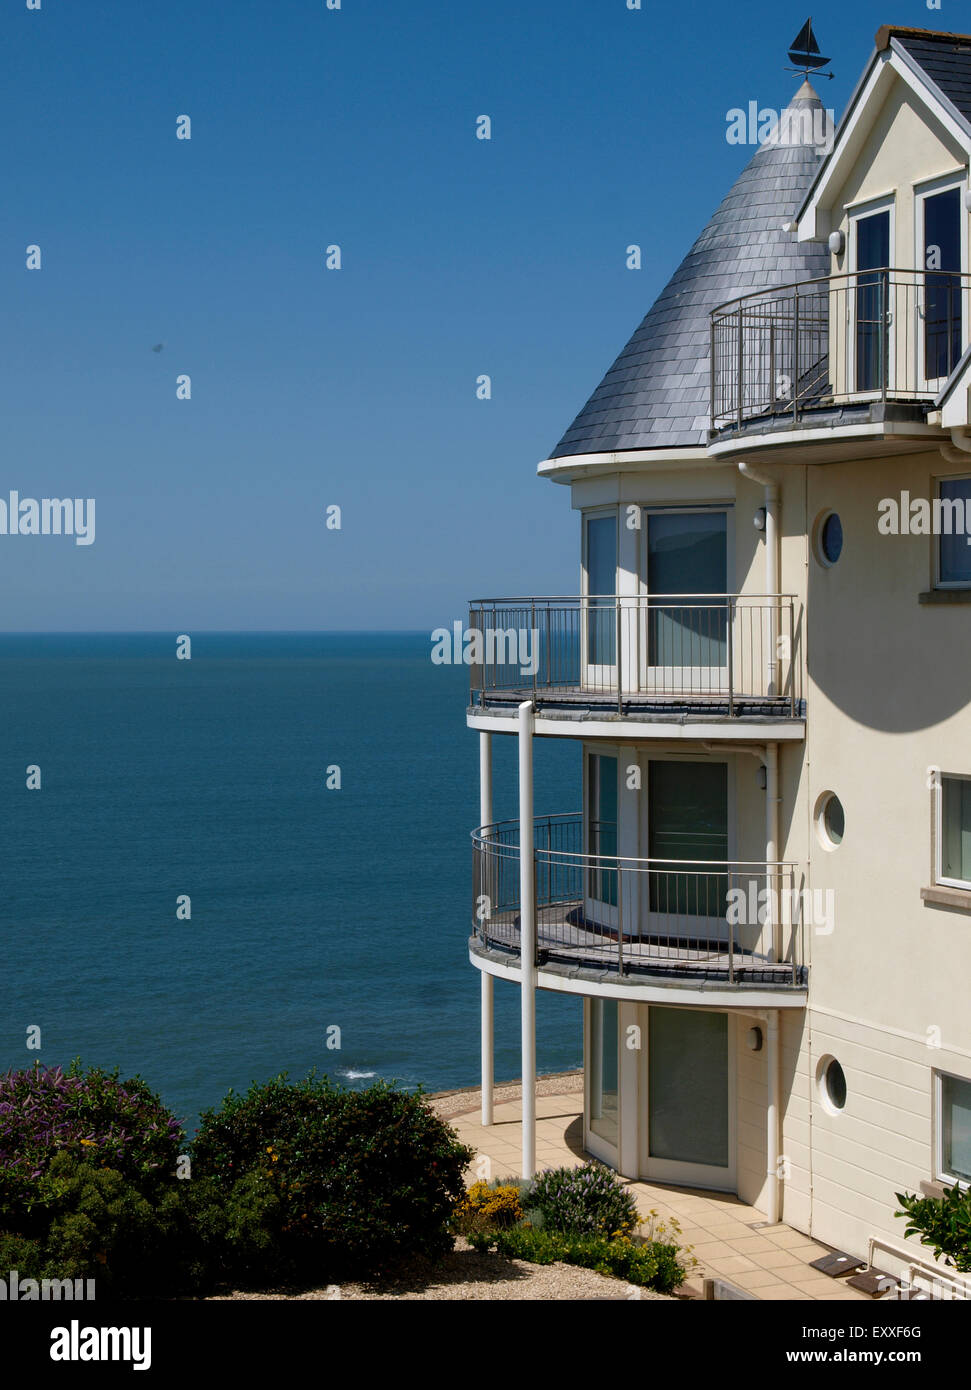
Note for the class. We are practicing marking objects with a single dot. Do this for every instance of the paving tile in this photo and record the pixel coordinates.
(734, 1264)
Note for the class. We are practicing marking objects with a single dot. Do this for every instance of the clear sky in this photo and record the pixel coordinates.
(357, 386)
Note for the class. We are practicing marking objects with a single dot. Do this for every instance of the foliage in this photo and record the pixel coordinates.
(488, 1207)
(326, 1183)
(582, 1201)
(45, 1112)
(655, 1265)
(943, 1223)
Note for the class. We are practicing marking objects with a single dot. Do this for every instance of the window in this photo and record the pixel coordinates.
(831, 1083)
(828, 538)
(830, 820)
(871, 310)
(954, 832)
(601, 580)
(954, 1128)
(954, 553)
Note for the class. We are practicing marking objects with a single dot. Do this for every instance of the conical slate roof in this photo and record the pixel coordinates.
(655, 395)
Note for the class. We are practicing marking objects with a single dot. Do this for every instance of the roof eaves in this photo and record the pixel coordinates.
(954, 378)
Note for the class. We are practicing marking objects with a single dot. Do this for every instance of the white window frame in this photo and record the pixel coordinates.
(940, 583)
(940, 1172)
(922, 192)
(939, 831)
(855, 215)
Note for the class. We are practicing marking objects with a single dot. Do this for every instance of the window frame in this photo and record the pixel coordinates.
(939, 877)
(941, 1174)
(961, 585)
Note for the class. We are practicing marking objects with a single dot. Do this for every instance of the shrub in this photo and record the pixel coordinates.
(321, 1182)
(45, 1111)
(943, 1223)
(488, 1207)
(582, 1201)
(655, 1265)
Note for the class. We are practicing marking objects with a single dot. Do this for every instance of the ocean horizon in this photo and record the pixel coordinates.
(311, 908)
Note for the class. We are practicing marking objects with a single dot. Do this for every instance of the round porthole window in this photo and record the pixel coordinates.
(829, 538)
(830, 821)
(832, 1084)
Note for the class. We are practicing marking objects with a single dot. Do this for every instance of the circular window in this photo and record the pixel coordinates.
(832, 1084)
(830, 821)
(829, 538)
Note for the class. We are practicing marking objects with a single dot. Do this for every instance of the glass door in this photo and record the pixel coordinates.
(942, 310)
(598, 625)
(600, 889)
(870, 299)
(690, 1102)
(687, 609)
(604, 1055)
(687, 831)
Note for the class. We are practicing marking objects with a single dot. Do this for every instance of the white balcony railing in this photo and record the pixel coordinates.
(739, 923)
(711, 653)
(875, 335)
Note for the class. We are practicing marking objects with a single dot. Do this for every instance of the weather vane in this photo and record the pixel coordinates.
(805, 53)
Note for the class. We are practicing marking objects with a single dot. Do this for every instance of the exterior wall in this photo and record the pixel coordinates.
(905, 146)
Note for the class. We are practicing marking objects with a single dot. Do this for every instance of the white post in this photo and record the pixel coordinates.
(487, 982)
(772, 1115)
(527, 937)
(773, 878)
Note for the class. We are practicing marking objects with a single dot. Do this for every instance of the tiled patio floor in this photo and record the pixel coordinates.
(771, 1262)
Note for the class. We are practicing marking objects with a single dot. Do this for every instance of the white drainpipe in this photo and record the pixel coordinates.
(487, 984)
(771, 486)
(527, 937)
(772, 1115)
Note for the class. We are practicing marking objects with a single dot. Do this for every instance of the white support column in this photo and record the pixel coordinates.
(527, 937)
(772, 1116)
(772, 568)
(773, 880)
(487, 984)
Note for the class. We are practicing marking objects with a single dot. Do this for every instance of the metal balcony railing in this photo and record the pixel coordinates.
(734, 922)
(883, 334)
(710, 653)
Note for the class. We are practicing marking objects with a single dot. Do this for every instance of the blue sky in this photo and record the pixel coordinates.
(353, 387)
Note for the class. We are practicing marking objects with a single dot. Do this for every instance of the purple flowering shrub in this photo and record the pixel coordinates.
(46, 1111)
(587, 1201)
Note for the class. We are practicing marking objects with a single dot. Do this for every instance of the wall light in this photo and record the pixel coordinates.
(753, 1040)
(758, 520)
(836, 243)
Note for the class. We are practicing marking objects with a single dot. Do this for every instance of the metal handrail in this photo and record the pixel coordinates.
(770, 291)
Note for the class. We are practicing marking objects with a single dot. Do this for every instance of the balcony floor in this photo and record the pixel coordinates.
(633, 702)
(560, 938)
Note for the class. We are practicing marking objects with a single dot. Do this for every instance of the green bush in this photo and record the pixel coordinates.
(943, 1223)
(654, 1266)
(45, 1112)
(323, 1183)
(582, 1201)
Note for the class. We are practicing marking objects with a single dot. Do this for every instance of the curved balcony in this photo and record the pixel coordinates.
(877, 344)
(736, 924)
(715, 656)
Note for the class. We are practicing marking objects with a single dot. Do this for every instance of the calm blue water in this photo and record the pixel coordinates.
(309, 907)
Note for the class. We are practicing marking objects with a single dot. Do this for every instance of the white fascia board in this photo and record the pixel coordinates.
(712, 996)
(630, 727)
(822, 435)
(569, 466)
(814, 217)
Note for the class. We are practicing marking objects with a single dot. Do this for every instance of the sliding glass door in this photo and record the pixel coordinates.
(600, 892)
(690, 1100)
(688, 842)
(687, 612)
(598, 625)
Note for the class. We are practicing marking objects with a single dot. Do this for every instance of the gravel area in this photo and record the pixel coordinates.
(467, 1275)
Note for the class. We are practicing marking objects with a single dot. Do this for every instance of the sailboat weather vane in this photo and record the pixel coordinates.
(805, 53)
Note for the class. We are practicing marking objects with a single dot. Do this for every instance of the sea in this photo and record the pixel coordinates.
(186, 898)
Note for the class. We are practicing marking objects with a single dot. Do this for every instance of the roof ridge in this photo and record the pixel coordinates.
(891, 31)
